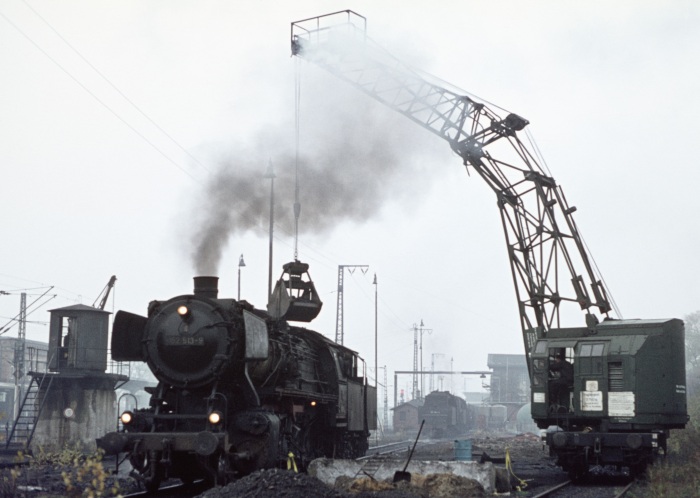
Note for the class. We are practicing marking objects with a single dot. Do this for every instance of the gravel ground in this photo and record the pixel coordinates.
(532, 471)
(525, 451)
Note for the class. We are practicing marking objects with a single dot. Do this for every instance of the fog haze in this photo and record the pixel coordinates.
(136, 137)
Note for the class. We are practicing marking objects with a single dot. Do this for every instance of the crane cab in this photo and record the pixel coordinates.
(294, 297)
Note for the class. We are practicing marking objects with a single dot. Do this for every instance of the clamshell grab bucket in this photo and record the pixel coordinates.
(294, 297)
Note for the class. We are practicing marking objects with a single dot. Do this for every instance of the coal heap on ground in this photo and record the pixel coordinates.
(287, 484)
(274, 482)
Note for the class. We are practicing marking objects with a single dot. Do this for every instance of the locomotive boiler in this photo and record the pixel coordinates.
(239, 389)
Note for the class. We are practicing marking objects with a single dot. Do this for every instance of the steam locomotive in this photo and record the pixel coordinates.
(239, 388)
(446, 415)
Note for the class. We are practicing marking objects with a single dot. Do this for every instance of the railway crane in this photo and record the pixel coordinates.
(544, 245)
(104, 295)
(629, 375)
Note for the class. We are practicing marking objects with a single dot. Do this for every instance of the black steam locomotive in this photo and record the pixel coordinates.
(239, 389)
(446, 415)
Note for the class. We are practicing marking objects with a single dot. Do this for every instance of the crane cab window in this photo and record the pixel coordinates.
(591, 350)
(566, 354)
(591, 358)
(541, 347)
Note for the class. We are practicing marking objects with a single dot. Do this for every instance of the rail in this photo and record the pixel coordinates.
(584, 490)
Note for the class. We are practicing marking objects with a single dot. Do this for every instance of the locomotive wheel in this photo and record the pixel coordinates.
(223, 471)
(152, 472)
(638, 469)
(578, 469)
(186, 468)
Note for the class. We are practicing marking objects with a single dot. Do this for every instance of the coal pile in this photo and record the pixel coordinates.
(274, 482)
(287, 484)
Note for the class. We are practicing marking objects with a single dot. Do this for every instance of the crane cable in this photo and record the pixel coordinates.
(599, 274)
(297, 112)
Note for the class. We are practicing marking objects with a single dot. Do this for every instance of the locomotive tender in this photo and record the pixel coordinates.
(627, 393)
(238, 391)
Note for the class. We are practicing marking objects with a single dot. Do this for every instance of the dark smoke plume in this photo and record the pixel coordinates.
(355, 155)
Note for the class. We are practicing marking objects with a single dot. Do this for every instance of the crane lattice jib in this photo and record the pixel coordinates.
(549, 263)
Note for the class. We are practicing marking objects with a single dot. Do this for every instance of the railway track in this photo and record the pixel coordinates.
(386, 449)
(401, 447)
(569, 489)
(173, 491)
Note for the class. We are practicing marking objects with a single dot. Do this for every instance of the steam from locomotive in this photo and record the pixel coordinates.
(239, 388)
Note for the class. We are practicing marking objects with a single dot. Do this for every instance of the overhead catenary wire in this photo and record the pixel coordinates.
(99, 100)
(141, 135)
(321, 257)
(6, 328)
(114, 87)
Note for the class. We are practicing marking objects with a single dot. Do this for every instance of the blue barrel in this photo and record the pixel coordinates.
(463, 450)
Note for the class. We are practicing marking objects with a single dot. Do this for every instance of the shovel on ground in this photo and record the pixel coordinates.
(402, 475)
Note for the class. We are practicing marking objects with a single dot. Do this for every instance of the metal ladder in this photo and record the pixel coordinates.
(25, 424)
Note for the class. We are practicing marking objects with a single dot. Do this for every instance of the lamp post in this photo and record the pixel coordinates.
(241, 263)
(429, 331)
(376, 335)
(271, 175)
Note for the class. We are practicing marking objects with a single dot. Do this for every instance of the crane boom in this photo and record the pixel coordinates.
(104, 295)
(549, 263)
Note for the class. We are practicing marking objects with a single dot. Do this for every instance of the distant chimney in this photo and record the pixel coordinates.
(206, 287)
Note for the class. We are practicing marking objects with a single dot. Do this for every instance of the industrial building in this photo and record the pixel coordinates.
(65, 395)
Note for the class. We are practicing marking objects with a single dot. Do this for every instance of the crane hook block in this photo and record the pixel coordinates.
(294, 297)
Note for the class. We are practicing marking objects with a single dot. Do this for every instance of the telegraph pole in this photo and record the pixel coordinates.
(271, 175)
(376, 335)
(418, 331)
(422, 376)
(19, 351)
(415, 359)
(386, 401)
(339, 338)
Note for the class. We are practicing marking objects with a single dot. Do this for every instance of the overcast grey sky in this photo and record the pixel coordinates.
(116, 117)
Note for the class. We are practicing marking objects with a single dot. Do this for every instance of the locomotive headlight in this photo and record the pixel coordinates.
(215, 418)
(183, 311)
(134, 422)
(313, 403)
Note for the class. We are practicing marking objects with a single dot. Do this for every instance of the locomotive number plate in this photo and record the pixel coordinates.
(180, 340)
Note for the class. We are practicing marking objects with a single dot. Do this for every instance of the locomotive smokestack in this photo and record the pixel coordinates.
(206, 287)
